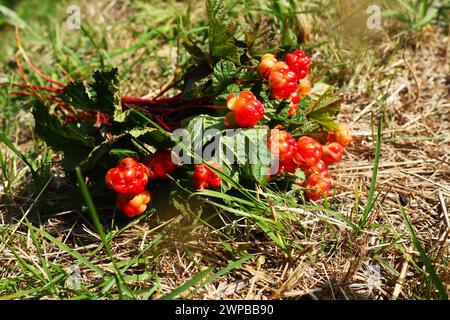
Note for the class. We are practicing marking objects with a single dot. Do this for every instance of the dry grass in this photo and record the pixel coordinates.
(412, 92)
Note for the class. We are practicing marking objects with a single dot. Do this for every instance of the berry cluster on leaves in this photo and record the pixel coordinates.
(287, 79)
(129, 180)
(239, 84)
(309, 155)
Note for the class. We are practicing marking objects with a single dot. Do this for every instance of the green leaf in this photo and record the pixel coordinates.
(221, 99)
(261, 38)
(102, 93)
(297, 177)
(319, 89)
(223, 74)
(221, 40)
(119, 153)
(198, 125)
(70, 139)
(247, 148)
(192, 48)
(325, 109)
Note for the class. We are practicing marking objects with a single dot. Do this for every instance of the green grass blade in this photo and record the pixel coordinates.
(188, 284)
(437, 281)
(369, 205)
(10, 145)
(72, 252)
(95, 218)
(231, 266)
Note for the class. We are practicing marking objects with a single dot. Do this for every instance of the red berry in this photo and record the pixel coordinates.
(318, 187)
(304, 87)
(332, 153)
(283, 146)
(293, 106)
(160, 164)
(342, 135)
(320, 168)
(135, 205)
(283, 81)
(295, 98)
(267, 62)
(246, 110)
(128, 179)
(309, 152)
(204, 177)
(298, 62)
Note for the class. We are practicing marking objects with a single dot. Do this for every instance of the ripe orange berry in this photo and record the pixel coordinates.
(304, 87)
(246, 110)
(135, 205)
(284, 147)
(319, 168)
(267, 62)
(293, 106)
(342, 135)
(282, 80)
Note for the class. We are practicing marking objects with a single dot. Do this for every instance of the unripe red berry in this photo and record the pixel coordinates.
(267, 62)
(283, 146)
(160, 164)
(332, 153)
(309, 152)
(283, 81)
(293, 109)
(204, 177)
(318, 187)
(246, 110)
(135, 205)
(293, 106)
(304, 87)
(342, 135)
(298, 62)
(320, 168)
(129, 178)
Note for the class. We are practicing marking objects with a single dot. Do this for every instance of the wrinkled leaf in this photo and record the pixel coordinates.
(221, 40)
(100, 94)
(223, 74)
(325, 109)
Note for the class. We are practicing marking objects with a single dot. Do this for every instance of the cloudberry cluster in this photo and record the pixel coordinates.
(129, 179)
(284, 147)
(311, 156)
(287, 79)
(205, 178)
(161, 164)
